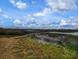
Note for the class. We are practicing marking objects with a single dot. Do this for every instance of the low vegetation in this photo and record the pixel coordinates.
(28, 47)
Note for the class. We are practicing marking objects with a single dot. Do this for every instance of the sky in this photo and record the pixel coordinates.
(39, 14)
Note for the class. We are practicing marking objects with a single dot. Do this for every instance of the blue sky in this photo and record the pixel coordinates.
(38, 14)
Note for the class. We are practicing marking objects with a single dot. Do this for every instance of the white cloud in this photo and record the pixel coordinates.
(30, 21)
(17, 22)
(44, 12)
(61, 4)
(19, 4)
(3, 14)
(39, 14)
(13, 1)
(70, 22)
(20, 23)
(63, 22)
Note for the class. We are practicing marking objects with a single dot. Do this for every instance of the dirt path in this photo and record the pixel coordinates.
(5, 47)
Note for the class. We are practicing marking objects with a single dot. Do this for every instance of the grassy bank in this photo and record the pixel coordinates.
(28, 47)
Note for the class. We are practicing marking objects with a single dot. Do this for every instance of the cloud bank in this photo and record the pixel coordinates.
(19, 4)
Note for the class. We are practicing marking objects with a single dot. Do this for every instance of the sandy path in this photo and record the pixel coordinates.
(6, 45)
